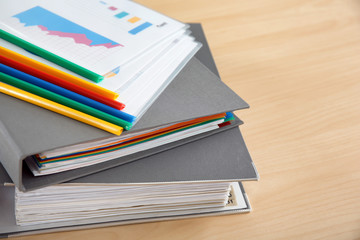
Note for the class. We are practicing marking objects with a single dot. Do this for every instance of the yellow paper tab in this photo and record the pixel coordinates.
(58, 108)
(58, 73)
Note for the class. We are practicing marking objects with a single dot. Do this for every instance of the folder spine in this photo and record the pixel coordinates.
(10, 153)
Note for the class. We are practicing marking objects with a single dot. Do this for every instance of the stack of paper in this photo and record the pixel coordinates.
(72, 49)
(174, 109)
(87, 154)
(116, 46)
(221, 158)
(70, 202)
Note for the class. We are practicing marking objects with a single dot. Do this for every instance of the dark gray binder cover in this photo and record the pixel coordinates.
(220, 157)
(26, 129)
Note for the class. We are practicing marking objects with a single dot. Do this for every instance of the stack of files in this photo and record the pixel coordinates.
(29, 131)
(119, 49)
(207, 166)
(152, 54)
(65, 150)
(193, 180)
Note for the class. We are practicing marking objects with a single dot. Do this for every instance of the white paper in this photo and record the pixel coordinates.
(66, 202)
(91, 34)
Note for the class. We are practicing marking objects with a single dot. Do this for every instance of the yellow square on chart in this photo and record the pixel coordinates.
(134, 19)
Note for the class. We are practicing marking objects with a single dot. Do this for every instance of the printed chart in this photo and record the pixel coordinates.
(59, 26)
(62, 36)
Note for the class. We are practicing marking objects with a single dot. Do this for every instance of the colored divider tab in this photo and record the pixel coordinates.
(44, 93)
(58, 108)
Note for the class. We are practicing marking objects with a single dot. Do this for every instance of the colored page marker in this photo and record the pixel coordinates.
(66, 93)
(60, 82)
(58, 108)
(50, 56)
(28, 87)
(56, 72)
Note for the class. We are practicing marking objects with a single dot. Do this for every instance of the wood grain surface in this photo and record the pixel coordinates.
(297, 63)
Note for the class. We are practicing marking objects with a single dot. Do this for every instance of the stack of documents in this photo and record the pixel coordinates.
(220, 159)
(73, 202)
(89, 153)
(119, 49)
(50, 49)
(122, 84)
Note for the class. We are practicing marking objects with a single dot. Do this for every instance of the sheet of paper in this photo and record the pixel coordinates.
(97, 35)
(147, 87)
(143, 81)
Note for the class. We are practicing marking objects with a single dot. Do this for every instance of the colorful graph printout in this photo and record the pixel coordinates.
(93, 34)
(59, 26)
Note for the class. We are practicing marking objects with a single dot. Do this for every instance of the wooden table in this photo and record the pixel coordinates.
(297, 63)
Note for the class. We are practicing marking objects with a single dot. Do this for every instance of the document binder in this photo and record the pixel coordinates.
(195, 92)
(220, 157)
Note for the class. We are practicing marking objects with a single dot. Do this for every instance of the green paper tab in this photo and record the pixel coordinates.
(51, 56)
(63, 100)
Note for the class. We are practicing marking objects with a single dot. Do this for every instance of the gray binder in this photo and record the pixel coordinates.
(220, 157)
(26, 129)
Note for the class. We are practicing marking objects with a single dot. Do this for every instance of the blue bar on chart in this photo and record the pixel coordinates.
(121, 15)
(140, 28)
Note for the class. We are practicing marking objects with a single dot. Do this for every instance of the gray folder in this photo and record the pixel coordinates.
(26, 129)
(220, 157)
